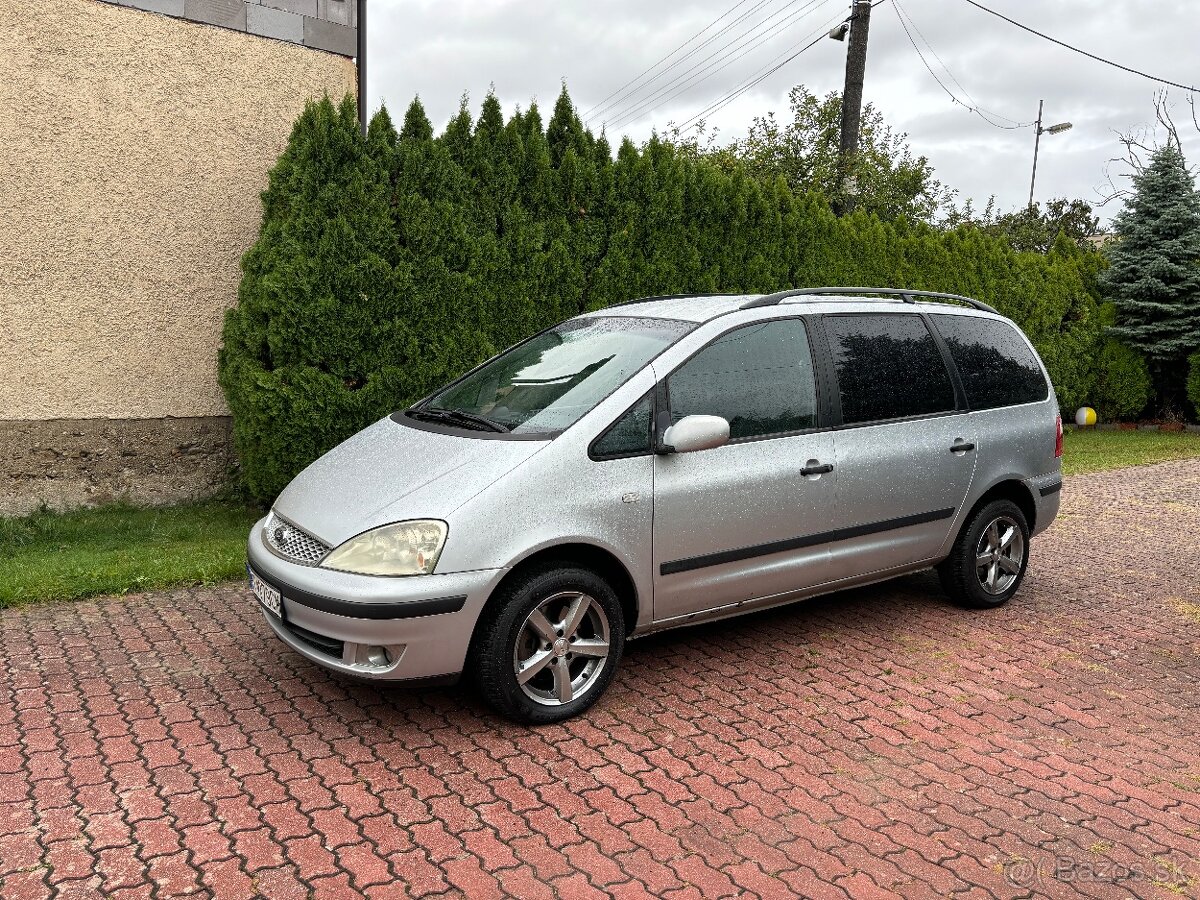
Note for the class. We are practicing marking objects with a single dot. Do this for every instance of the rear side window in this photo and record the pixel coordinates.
(995, 363)
(758, 377)
(888, 367)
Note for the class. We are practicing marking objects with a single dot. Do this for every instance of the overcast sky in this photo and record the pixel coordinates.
(440, 49)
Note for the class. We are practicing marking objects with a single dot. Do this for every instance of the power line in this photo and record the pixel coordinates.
(629, 96)
(755, 35)
(971, 106)
(752, 38)
(603, 103)
(961, 86)
(756, 79)
(1107, 62)
(721, 104)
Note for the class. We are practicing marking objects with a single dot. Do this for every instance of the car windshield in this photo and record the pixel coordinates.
(549, 382)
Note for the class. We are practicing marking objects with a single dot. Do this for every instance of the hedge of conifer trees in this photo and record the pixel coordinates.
(390, 263)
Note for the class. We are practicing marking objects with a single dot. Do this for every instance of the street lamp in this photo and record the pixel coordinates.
(1037, 140)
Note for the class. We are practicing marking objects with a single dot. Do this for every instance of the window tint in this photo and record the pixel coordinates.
(630, 434)
(888, 367)
(759, 378)
(996, 365)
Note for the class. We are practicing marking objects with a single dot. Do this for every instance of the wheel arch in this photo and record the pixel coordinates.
(1011, 488)
(600, 560)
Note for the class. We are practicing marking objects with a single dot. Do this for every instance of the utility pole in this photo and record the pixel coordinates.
(361, 65)
(856, 70)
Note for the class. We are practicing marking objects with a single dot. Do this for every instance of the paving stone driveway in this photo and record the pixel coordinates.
(878, 743)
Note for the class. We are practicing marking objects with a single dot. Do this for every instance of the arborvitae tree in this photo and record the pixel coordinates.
(535, 175)
(457, 136)
(614, 277)
(1154, 276)
(516, 310)
(305, 360)
(417, 126)
(382, 138)
(443, 256)
(564, 131)
(574, 241)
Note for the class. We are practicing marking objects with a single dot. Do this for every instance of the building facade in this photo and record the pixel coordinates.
(135, 140)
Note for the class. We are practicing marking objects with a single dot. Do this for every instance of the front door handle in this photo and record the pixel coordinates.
(816, 468)
(961, 447)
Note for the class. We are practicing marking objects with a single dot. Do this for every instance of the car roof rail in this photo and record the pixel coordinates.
(903, 293)
(673, 297)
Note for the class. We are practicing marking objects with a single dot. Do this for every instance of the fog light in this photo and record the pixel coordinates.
(378, 656)
(373, 656)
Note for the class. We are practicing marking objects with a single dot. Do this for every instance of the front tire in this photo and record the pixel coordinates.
(549, 645)
(987, 564)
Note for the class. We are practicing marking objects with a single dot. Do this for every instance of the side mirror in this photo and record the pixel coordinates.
(692, 433)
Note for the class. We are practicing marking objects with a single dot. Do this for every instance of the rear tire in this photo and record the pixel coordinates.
(549, 645)
(987, 564)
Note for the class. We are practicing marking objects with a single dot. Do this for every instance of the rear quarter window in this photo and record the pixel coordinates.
(995, 363)
(888, 367)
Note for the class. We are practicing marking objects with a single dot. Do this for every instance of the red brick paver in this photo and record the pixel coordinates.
(875, 744)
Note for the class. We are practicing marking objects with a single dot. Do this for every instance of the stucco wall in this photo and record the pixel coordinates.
(133, 148)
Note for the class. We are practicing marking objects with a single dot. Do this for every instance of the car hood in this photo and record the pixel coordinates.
(393, 471)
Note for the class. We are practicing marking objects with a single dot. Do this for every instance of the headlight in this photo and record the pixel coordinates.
(405, 548)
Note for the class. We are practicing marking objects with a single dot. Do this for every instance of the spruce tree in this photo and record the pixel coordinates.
(1154, 276)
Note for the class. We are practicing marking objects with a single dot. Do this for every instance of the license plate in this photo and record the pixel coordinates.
(267, 595)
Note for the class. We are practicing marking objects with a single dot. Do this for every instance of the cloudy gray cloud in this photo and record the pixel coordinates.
(442, 49)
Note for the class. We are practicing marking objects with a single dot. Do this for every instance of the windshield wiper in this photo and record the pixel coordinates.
(457, 417)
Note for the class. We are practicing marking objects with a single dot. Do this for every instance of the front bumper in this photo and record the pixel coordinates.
(416, 627)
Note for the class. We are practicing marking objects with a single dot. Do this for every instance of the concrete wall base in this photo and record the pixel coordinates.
(67, 463)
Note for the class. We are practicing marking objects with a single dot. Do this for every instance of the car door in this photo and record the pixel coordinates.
(733, 523)
(905, 444)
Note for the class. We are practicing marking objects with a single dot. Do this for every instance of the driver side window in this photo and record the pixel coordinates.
(758, 377)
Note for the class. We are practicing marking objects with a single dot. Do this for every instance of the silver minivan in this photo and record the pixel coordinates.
(660, 463)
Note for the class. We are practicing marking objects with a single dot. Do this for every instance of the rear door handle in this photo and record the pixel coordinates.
(961, 447)
(817, 469)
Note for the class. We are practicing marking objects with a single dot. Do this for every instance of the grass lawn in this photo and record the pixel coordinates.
(1097, 451)
(118, 549)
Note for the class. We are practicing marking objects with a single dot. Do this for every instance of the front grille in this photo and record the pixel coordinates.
(293, 544)
(319, 642)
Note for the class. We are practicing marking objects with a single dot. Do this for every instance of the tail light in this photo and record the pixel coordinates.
(1058, 437)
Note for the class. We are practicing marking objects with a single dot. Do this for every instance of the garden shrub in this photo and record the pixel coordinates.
(1193, 383)
(1123, 386)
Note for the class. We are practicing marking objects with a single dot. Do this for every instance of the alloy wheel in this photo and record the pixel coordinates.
(561, 648)
(1000, 554)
